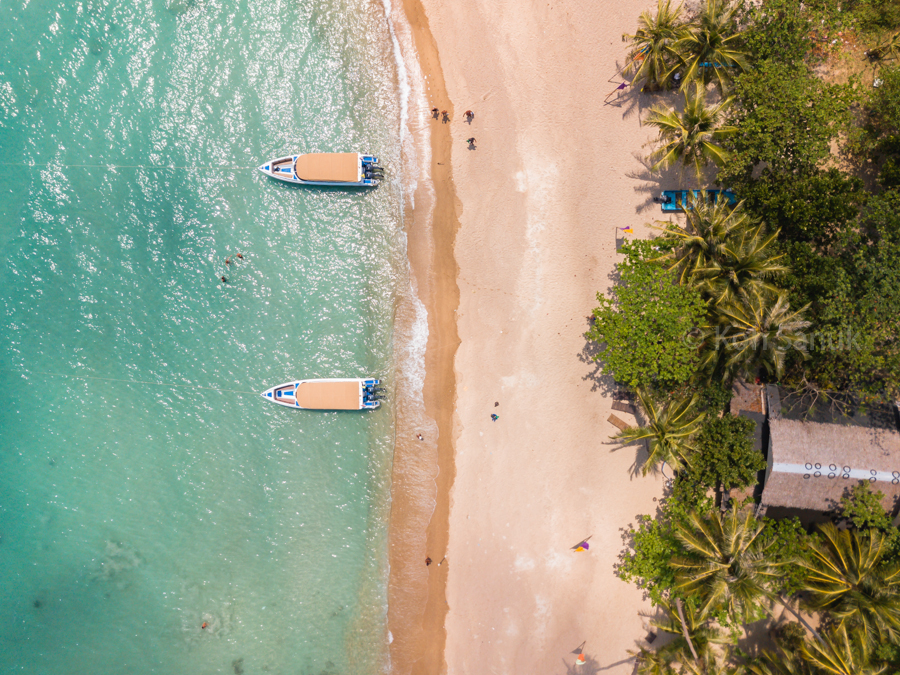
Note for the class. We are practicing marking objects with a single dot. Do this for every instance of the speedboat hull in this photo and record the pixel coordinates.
(326, 394)
(334, 169)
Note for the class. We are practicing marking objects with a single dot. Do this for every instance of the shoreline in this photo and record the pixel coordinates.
(417, 605)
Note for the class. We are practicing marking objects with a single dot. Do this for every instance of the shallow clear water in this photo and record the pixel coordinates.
(132, 513)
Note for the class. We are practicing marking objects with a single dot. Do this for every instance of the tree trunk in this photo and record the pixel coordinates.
(684, 631)
(787, 606)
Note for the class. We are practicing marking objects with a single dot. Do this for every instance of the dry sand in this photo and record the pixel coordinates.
(554, 173)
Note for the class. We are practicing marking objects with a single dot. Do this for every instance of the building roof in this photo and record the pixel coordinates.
(812, 465)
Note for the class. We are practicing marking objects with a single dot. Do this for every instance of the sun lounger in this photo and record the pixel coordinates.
(623, 406)
(618, 423)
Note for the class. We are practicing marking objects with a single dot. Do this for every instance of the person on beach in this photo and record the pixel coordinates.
(445, 116)
(434, 112)
(427, 562)
(469, 115)
(494, 417)
(619, 88)
(420, 437)
(582, 545)
(471, 141)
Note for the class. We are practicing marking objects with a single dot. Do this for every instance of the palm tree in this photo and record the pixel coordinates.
(653, 54)
(703, 238)
(692, 646)
(693, 136)
(650, 662)
(724, 251)
(725, 564)
(671, 430)
(752, 331)
(712, 39)
(744, 269)
(839, 653)
(849, 579)
(782, 662)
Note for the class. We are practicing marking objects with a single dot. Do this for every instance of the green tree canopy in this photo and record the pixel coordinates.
(725, 454)
(863, 508)
(854, 292)
(643, 327)
(787, 117)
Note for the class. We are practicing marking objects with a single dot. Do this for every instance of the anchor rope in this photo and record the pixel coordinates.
(124, 166)
(155, 384)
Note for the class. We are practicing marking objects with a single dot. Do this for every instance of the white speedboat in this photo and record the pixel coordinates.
(326, 394)
(326, 168)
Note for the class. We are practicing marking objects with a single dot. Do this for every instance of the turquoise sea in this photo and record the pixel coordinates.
(145, 487)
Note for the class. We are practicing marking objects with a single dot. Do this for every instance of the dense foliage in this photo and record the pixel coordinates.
(800, 284)
(642, 328)
(725, 454)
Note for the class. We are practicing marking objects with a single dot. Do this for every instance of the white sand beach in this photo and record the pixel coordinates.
(554, 171)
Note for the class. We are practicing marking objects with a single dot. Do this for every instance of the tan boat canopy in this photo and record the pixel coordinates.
(329, 395)
(331, 167)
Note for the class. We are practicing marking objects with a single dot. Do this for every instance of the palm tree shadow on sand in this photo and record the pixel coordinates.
(591, 666)
(675, 177)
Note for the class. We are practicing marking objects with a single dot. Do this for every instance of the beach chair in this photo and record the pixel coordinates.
(623, 406)
(618, 423)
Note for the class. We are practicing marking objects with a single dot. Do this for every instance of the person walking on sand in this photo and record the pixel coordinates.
(427, 562)
(445, 116)
(469, 115)
(434, 112)
(494, 417)
(471, 141)
(420, 437)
